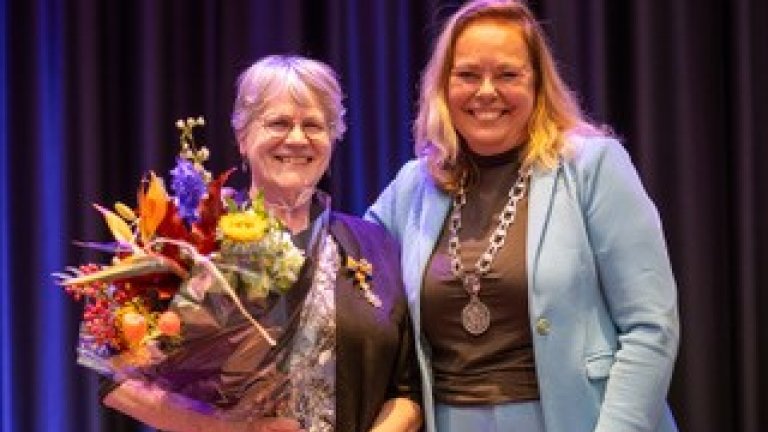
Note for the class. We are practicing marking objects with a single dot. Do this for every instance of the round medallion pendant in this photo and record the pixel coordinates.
(475, 317)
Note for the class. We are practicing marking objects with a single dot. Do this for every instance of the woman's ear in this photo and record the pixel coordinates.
(242, 143)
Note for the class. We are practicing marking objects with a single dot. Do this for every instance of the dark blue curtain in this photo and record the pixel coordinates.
(89, 92)
(5, 247)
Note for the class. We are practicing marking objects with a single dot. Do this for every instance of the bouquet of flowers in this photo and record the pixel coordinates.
(191, 299)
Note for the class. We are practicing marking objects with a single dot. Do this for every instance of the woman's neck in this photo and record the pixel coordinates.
(296, 219)
(291, 209)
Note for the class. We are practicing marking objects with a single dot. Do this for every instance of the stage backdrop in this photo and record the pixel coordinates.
(90, 89)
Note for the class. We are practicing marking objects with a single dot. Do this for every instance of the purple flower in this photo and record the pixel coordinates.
(189, 186)
(241, 197)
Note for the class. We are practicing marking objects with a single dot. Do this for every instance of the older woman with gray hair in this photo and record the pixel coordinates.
(353, 335)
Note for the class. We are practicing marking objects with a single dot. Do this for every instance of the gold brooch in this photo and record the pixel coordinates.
(361, 273)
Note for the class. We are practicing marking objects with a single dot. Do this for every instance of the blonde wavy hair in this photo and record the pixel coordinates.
(301, 77)
(556, 112)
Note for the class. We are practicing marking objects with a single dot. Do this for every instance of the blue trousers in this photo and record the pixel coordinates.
(509, 417)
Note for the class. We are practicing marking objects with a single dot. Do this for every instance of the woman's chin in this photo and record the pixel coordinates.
(490, 145)
(289, 194)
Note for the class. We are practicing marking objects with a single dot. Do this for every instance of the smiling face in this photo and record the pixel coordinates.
(288, 147)
(491, 89)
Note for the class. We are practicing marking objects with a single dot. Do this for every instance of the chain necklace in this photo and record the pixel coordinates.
(476, 317)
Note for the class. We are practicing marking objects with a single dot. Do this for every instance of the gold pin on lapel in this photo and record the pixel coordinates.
(361, 272)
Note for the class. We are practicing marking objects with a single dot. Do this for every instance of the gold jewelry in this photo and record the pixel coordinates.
(361, 272)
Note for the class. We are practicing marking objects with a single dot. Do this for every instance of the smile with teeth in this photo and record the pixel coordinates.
(488, 114)
(294, 160)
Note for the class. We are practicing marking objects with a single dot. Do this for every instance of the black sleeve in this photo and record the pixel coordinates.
(106, 386)
(405, 380)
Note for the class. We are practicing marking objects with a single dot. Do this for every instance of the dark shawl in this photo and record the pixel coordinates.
(374, 346)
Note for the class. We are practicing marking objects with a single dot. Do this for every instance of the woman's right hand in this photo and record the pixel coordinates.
(273, 424)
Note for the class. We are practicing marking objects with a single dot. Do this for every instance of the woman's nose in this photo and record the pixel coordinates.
(296, 135)
(487, 88)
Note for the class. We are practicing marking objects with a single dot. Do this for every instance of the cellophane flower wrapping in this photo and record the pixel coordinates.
(193, 298)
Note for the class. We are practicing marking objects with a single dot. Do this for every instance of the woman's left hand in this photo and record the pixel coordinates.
(273, 424)
(398, 415)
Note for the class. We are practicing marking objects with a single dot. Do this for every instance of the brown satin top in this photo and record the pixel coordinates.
(498, 365)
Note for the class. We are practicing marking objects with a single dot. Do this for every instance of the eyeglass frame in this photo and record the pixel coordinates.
(269, 126)
(472, 77)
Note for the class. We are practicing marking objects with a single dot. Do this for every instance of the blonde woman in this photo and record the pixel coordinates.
(534, 261)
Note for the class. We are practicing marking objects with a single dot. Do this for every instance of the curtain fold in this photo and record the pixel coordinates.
(7, 406)
(90, 91)
(748, 113)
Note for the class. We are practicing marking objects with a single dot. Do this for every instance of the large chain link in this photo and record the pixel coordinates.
(499, 235)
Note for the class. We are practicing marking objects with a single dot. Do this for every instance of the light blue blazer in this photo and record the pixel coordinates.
(602, 297)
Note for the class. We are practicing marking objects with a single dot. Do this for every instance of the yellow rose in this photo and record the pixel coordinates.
(243, 227)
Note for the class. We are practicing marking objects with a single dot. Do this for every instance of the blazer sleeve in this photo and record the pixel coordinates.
(391, 208)
(638, 285)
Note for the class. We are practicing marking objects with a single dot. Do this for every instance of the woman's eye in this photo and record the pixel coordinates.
(312, 127)
(279, 124)
(467, 75)
(508, 76)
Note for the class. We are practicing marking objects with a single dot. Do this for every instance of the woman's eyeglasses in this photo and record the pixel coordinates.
(280, 128)
(472, 77)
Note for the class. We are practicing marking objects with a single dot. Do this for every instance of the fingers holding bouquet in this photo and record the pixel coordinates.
(173, 412)
(277, 424)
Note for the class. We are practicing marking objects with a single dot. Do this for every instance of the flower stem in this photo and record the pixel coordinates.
(211, 267)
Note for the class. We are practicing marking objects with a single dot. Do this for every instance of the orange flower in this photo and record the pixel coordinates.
(134, 327)
(169, 323)
(153, 203)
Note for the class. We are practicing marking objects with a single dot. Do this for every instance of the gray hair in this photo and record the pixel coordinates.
(301, 77)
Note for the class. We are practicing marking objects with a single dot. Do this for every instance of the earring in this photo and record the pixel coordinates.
(244, 165)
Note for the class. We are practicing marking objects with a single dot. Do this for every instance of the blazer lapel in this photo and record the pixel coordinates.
(542, 193)
(426, 233)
